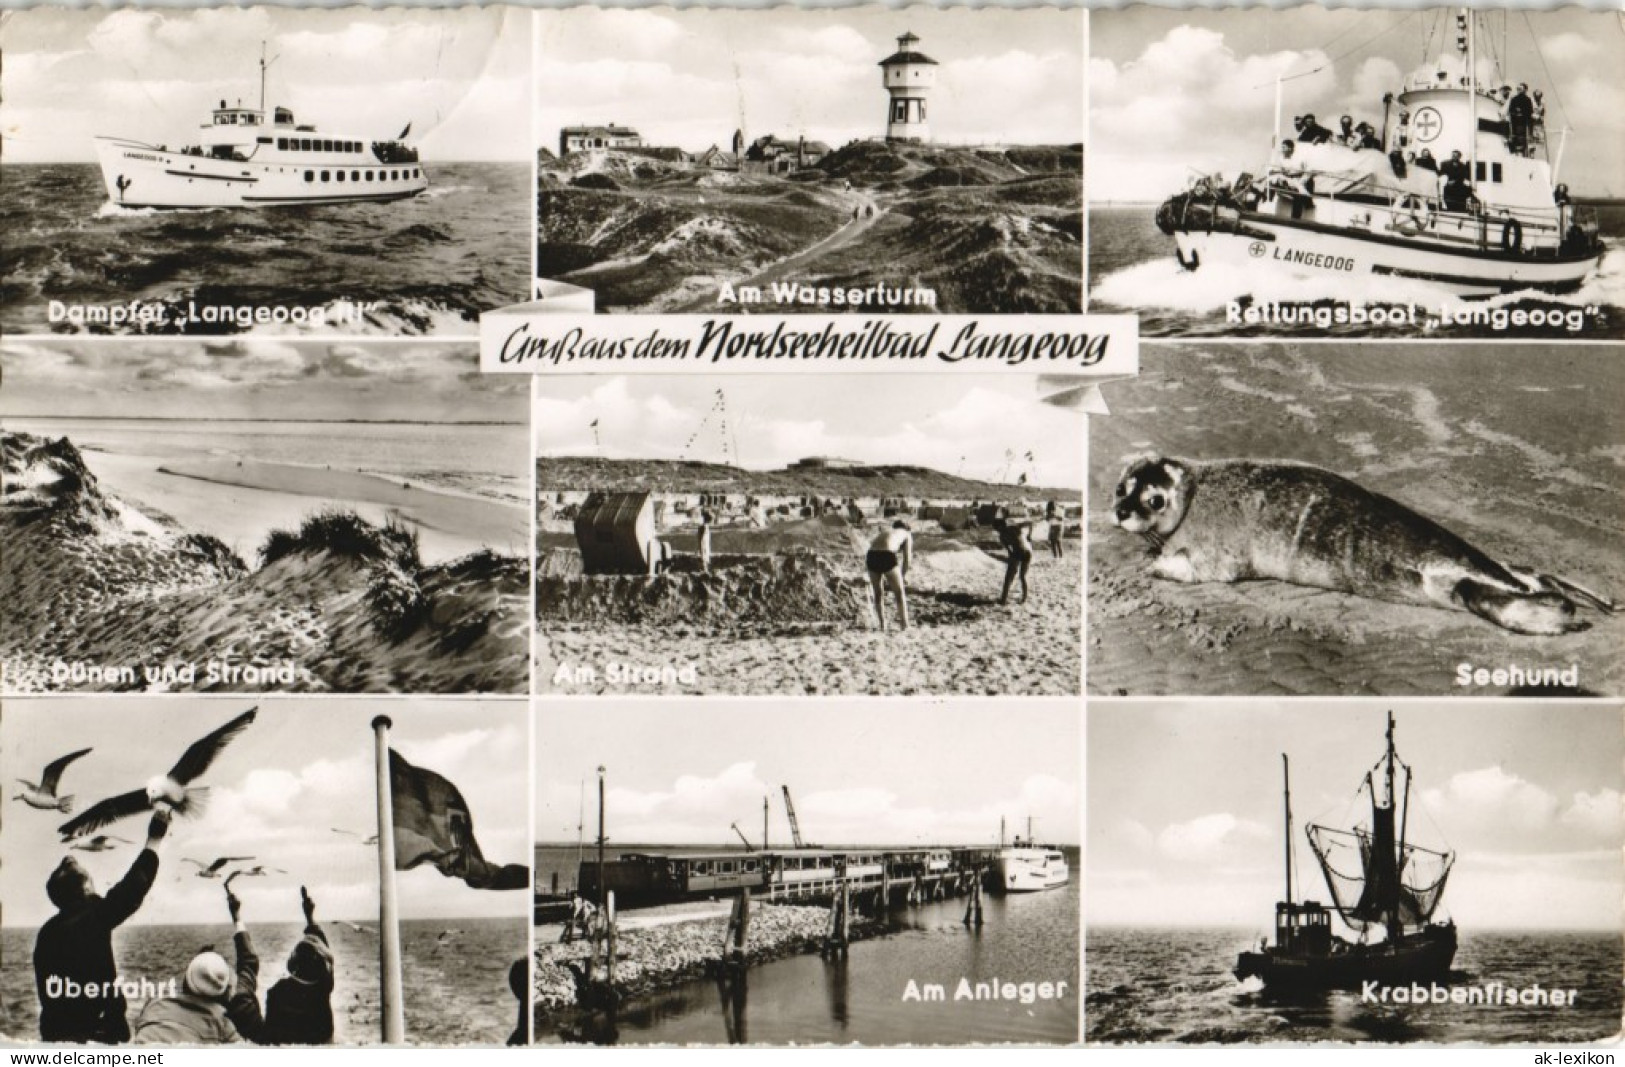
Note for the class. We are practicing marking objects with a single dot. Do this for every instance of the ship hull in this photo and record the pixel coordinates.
(1306, 249)
(1019, 875)
(1420, 957)
(139, 175)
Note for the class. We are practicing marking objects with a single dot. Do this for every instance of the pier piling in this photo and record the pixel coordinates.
(973, 909)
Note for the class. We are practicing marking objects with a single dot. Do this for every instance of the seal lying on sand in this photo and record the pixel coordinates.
(1230, 520)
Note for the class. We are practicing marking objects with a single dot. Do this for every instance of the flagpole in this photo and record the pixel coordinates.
(389, 931)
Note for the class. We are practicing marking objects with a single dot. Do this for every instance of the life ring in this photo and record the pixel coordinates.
(1409, 219)
(1512, 235)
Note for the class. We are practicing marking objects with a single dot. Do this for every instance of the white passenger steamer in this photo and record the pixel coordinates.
(1344, 211)
(1028, 867)
(248, 157)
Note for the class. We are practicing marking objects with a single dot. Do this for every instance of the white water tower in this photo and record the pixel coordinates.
(909, 77)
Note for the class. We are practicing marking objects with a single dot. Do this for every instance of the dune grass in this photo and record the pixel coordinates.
(347, 535)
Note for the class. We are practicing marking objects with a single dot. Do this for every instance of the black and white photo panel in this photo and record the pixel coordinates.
(262, 516)
(1424, 174)
(264, 170)
(213, 870)
(891, 534)
(1442, 872)
(824, 160)
(1343, 518)
(837, 877)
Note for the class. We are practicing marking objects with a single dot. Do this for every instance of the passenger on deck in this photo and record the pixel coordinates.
(1347, 134)
(1287, 173)
(1426, 161)
(1521, 114)
(1367, 136)
(1310, 131)
(1457, 190)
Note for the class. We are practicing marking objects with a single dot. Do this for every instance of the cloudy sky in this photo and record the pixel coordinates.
(953, 423)
(416, 382)
(1185, 806)
(1173, 92)
(303, 769)
(942, 772)
(459, 76)
(690, 78)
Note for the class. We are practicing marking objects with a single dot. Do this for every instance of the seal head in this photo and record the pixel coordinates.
(1152, 497)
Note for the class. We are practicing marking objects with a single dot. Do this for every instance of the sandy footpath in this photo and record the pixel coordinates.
(1514, 451)
(962, 642)
(241, 502)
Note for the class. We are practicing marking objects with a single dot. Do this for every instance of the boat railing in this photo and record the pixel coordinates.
(1530, 231)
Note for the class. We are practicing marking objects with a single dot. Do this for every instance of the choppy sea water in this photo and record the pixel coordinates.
(1173, 985)
(430, 264)
(1132, 269)
(1026, 937)
(456, 987)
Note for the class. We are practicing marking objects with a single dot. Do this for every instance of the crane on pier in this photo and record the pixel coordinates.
(795, 827)
(748, 846)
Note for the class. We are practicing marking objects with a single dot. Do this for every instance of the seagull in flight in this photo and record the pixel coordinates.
(255, 871)
(100, 843)
(173, 789)
(43, 795)
(373, 840)
(212, 870)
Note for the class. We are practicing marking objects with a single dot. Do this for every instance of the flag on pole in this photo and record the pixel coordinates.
(595, 424)
(434, 825)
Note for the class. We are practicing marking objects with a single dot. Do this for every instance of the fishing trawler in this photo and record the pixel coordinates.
(1458, 188)
(246, 157)
(1027, 867)
(1395, 893)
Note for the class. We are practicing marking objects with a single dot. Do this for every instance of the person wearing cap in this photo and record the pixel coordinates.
(299, 1008)
(73, 952)
(197, 1014)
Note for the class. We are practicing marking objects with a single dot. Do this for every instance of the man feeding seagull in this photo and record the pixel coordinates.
(173, 790)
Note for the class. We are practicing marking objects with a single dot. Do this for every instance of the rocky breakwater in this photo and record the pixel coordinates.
(654, 958)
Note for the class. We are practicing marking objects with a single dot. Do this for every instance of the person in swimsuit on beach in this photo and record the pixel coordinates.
(1016, 538)
(887, 564)
(706, 519)
(1057, 526)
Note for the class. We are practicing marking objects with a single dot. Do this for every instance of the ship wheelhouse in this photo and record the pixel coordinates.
(1303, 929)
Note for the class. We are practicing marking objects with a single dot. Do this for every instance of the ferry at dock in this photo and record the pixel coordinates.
(1456, 187)
(1029, 868)
(251, 157)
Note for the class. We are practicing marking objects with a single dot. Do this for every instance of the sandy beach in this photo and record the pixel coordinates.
(1514, 449)
(240, 501)
(962, 641)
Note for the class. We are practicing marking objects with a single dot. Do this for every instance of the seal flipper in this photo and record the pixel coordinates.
(1543, 614)
(1536, 582)
(1580, 593)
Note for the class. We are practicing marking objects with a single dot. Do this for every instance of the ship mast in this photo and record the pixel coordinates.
(1286, 790)
(1470, 24)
